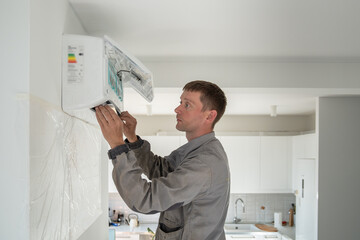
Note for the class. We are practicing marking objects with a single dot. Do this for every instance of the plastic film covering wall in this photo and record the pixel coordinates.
(65, 177)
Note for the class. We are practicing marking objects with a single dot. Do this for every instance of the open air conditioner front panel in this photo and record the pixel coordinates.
(94, 73)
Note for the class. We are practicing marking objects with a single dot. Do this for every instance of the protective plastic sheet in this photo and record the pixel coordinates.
(65, 177)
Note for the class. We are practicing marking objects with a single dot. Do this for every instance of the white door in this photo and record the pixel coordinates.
(305, 199)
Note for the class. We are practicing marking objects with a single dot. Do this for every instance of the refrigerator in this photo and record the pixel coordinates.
(305, 199)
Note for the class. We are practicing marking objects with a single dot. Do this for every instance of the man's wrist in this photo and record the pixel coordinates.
(133, 145)
(132, 138)
(115, 144)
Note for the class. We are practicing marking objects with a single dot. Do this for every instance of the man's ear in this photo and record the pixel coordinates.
(212, 115)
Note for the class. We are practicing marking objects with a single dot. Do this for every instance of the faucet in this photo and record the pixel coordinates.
(236, 219)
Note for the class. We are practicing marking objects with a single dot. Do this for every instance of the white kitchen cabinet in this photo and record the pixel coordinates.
(163, 145)
(242, 237)
(183, 140)
(259, 164)
(243, 153)
(132, 236)
(304, 146)
(124, 236)
(275, 164)
(252, 236)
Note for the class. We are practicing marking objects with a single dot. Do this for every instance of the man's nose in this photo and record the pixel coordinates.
(176, 110)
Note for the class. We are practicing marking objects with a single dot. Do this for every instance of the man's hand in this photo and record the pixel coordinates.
(129, 126)
(111, 125)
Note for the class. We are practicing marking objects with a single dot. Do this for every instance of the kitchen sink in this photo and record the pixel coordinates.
(240, 227)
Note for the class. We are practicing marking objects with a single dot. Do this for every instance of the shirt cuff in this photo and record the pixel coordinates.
(136, 144)
(112, 153)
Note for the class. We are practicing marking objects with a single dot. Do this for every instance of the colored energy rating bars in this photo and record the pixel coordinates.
(71, 58)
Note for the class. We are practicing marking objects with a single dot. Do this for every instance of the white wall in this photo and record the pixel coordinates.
(49, 20)
(14, 121)
(339, 166)
(30, 69)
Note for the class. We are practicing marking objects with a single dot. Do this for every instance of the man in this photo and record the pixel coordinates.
(190, 187)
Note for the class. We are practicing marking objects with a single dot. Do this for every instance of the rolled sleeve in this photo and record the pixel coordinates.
(135, 145)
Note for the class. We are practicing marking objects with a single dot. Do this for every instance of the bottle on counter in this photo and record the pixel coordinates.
(120, 218)
(114, 216)
(291, 217)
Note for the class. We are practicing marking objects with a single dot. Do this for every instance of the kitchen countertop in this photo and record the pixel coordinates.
(142, 229)
(287, 231)
(283, 230)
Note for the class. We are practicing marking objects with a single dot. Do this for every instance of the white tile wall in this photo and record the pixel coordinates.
(253, 202)
(253, 213)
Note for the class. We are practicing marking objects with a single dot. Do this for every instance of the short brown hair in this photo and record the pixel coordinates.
(212, 97)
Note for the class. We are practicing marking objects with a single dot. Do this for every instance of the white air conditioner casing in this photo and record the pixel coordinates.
(94, 71)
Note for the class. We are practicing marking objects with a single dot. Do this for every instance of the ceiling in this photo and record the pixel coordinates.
(322, 28)
(231, 28)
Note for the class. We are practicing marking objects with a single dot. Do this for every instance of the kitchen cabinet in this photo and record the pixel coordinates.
(140, 232)
(163, 145)
(132, 236)
(128, 237)
(242, 237)
(259, 164)
(243, 153)
(275, 164)
(253, 236)
(183, 140)
(304, 146)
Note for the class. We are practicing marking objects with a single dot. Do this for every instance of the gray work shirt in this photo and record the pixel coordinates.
(190, 187)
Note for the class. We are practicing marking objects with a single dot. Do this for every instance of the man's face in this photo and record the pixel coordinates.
(189, 115)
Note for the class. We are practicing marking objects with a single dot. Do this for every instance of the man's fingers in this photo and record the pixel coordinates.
(111, 112)
(99, 116)
(127, 117)
(101, 119)
(110, 128)
(105, 112)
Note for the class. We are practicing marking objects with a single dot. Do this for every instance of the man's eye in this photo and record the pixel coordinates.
(187, 105)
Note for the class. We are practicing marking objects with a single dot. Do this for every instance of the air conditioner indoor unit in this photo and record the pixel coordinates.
(95, 71)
